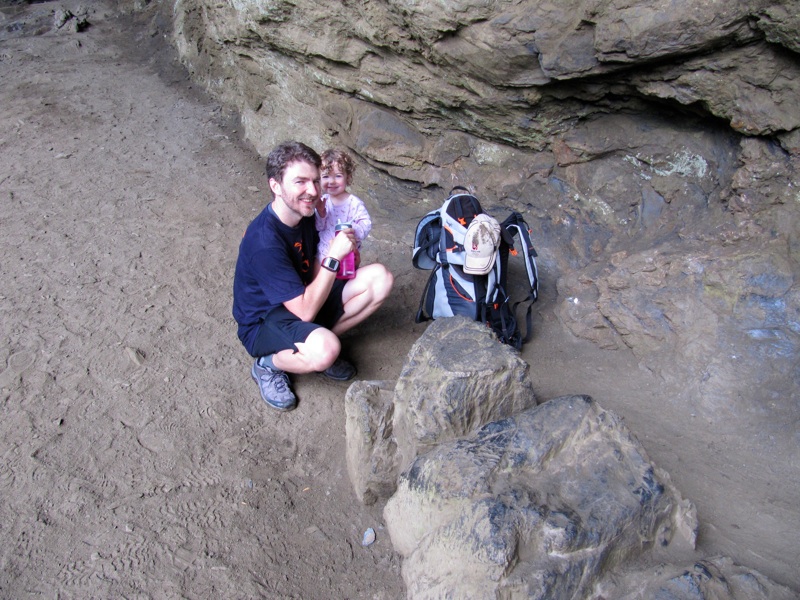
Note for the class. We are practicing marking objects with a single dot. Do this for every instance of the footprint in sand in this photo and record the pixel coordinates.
(18, 363)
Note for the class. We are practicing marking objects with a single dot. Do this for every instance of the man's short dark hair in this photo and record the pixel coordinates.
(285, 154)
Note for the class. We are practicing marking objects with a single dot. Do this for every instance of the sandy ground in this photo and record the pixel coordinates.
(137, 458)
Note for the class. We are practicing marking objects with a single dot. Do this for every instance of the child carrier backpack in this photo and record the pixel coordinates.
(456, 288)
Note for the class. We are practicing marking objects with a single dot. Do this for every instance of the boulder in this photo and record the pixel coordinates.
(538, 505)
(490, 495)
(713, 578)
(457, 378)
(371, 449)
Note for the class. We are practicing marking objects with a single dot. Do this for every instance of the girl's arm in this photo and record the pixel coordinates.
(360, 219)
(322, 208)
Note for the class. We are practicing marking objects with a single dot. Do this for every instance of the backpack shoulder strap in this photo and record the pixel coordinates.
(515, 225)
(426, 241)
(422, 314)
(441, 256)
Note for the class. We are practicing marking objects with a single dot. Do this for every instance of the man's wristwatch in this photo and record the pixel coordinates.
(330, 263)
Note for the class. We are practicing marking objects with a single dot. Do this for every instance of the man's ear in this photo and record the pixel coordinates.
(275, 186)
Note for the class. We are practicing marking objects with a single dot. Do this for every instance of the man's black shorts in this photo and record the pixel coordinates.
(281, 329)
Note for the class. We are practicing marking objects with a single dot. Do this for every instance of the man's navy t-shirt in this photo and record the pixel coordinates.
(275, 264)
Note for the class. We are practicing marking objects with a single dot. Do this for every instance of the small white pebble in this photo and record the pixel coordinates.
(369, 537)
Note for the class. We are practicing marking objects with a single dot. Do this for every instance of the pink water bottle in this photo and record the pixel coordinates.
(347, 268)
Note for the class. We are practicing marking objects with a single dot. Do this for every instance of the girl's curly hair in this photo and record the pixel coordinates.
(335, 157)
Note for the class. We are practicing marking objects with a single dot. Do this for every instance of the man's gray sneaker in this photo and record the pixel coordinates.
(274, 387)
(340, 370)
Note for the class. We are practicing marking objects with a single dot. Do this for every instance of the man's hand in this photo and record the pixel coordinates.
(343, 244)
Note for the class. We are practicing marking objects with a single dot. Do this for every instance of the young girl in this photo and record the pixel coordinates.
(338, 205)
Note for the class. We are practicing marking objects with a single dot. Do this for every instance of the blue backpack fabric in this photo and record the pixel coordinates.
(439, 247)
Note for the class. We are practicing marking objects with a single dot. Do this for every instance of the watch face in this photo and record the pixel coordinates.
(330, 263)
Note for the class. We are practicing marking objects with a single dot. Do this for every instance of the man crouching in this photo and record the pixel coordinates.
(290, 307)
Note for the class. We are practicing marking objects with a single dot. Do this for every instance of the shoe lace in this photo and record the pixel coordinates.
(277, 378)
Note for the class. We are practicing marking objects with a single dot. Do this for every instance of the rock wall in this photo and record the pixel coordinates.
(655, 152)
(416, 86)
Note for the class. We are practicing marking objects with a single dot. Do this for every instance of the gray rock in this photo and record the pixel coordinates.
(630, 32)
(491, 70)
(457, 378)
(538, 505)
(371, 449)
(674, 299)
(710, 579)
(752, 87)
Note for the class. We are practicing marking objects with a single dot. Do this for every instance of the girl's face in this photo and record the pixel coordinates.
(334, 181)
